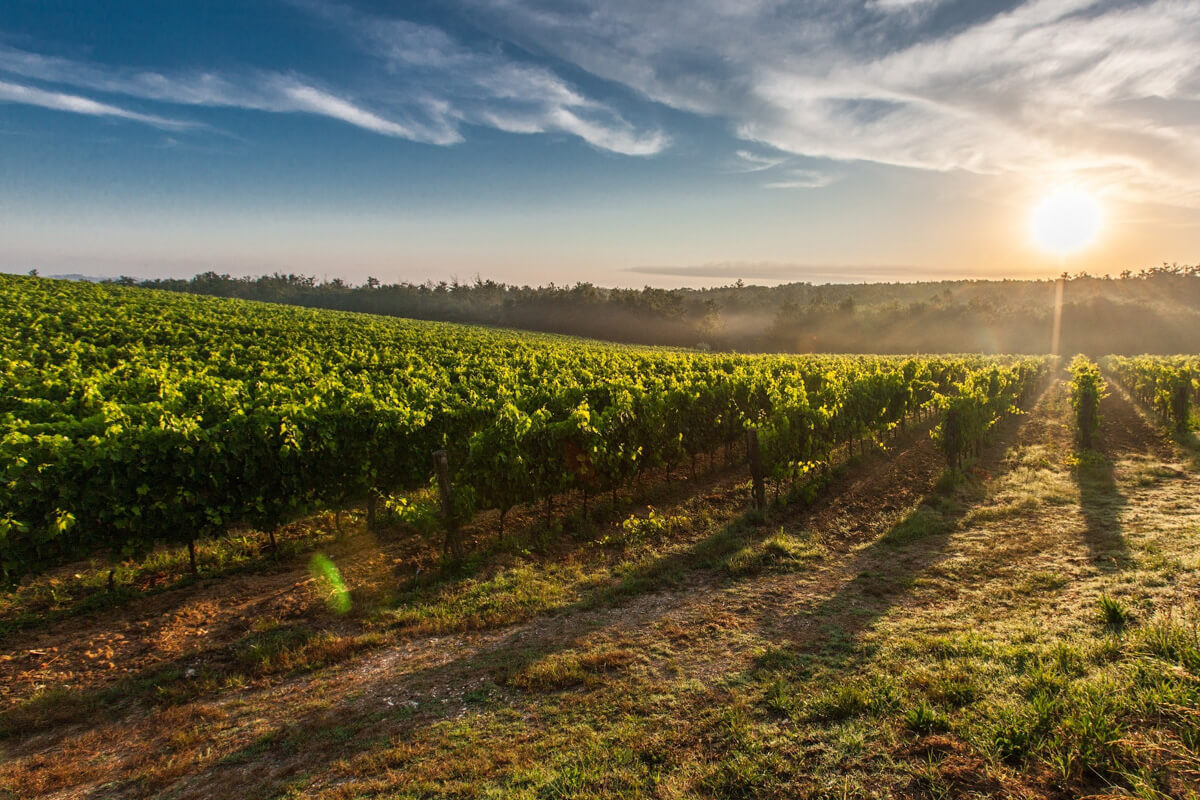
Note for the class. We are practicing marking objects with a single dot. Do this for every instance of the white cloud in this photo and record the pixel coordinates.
(427, 88)
(617, 138)
(748, 161)
(1046, 87)
(801, 179)
(484, 86)
(29, 95)
(260, 91)
(307, 98)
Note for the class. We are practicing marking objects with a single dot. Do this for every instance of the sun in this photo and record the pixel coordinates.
(1065, 221)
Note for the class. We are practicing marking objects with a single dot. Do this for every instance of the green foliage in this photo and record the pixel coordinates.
(976, 396)
(924, 718)
(418, 511)
(1170, 385)
(131, 417)
(1113, 612)
(1087, 390)
(653, 525)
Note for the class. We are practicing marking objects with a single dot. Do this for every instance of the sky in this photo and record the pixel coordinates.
(620, 142)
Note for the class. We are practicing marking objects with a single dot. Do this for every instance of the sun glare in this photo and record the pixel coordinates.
(1065, 221)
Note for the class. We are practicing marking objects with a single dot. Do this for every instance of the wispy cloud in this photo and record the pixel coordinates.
(801, 179)
(485, 86)
(315, 101)
(747, 161)
(1093, 87)
(426, 86)
(776, 272)
(75, 104)
(254, 90)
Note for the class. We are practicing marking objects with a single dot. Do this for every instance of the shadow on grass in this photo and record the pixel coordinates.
(165, 574)
(385, 709)
(281, 650)
(313, 739)
(309, 740)
(1101, 502)
(887, 568)
(747, 543)
(300, 647)
(1124, 431)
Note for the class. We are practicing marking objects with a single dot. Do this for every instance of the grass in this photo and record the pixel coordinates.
(272, 650)
(1114, 613)
(96, 585)
(573, 668)
(1022, 630)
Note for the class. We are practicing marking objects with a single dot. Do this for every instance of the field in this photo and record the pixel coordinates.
(1023, 626)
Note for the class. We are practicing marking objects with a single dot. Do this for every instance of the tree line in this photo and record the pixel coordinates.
(1154, 310)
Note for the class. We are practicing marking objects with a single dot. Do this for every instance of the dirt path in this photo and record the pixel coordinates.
(1126, 429)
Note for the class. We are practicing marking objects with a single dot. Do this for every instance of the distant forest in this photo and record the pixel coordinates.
(1154, 310)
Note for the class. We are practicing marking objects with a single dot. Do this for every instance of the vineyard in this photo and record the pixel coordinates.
(131, 417)
(1087, 390)
(978, 579)
(1169, 385)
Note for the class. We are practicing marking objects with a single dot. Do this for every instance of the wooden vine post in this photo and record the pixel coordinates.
(756, 469)
(453, 543)
(952, 443)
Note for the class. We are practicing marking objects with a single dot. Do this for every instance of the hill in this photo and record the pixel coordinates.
(1150, 311)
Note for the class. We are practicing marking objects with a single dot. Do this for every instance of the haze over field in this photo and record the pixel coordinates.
(620, 143)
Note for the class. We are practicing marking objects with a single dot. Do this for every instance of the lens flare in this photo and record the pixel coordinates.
(337, 595)
(1066, 221)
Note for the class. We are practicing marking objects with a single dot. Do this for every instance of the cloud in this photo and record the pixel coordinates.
(254, 90)
(425, 86)
(482, 85)
(315, 101)
(28, 95)
(1035, 89)
(748, 161)
(770, 271)
(801, 179)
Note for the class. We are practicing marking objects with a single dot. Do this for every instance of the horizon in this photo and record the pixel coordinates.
(532, 143)
(711, 282)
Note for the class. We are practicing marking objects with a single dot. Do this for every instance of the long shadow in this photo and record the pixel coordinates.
(379, 710)
(199, 674)
(326, 736)
(886, 569)
(178, 587)
(165, 683)
(1101, 503)
(357, 727)
(315, 740)
(385, 709)
(1122, 431)
(705, 555)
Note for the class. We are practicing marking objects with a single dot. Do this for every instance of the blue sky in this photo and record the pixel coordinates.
(621, 142)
